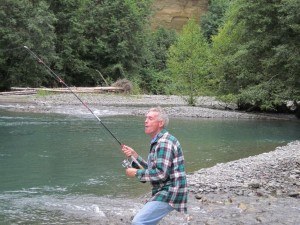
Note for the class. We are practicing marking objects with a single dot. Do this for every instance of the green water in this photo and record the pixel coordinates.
(47, 160)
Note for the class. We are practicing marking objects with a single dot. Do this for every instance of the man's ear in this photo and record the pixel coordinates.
(161, 124)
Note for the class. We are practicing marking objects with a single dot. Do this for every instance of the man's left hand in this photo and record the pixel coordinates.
(131, 172)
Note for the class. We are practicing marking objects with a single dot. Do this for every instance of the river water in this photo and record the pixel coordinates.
(53, 167)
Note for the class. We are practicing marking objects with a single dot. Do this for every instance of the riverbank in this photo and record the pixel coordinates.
(118, 104)
(262, 189)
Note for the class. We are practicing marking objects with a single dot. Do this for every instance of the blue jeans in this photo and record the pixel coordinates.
(152, 213)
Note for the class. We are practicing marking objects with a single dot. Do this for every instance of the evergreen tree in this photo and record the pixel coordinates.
(110, 37)
(214, 17)
(153, 77)
(188, 62)
(257, 55)
(25, 23)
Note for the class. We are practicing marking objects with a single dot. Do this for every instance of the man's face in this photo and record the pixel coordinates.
(152, 125)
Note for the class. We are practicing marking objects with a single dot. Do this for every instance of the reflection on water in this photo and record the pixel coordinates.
(54, 167)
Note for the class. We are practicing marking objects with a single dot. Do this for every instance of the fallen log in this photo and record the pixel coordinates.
(84, 90)
(24, 92)
(21, 90)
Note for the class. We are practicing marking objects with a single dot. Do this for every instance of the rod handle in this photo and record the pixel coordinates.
(135, 160)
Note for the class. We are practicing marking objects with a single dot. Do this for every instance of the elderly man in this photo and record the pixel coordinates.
(164, 170)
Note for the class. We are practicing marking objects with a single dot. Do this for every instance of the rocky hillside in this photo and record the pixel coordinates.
(175, 13)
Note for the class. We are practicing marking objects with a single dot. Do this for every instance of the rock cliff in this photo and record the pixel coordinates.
(175, 13)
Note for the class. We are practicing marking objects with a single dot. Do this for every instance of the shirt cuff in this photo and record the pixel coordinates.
(139, 173)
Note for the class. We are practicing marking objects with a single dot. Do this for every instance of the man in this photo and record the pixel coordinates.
(164, 170)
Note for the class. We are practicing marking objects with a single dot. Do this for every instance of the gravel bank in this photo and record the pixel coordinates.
(112, 104)
(262, 189)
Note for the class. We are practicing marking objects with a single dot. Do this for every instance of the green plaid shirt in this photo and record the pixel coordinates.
(165, 171)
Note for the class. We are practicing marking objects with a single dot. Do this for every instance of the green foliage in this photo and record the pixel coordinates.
(154, 79)
(24, 23)
(254, 97)
(114, 35)
(214, 17)
(229, 98)
(257, 53)
(158, 44)
(188, 62)
(69, 30)
(161, 83)
(253, 56)
(136, 90)
(75, 37)
(43, 93)
(225, 54)
(100, 35)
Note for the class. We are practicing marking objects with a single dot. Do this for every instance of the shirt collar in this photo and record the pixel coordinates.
(157, 136)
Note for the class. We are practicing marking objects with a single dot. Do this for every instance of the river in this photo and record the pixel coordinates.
(55, 166)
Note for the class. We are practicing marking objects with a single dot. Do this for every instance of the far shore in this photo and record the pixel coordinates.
(121, 104)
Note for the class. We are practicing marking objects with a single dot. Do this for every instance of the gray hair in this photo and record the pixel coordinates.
(162, 114)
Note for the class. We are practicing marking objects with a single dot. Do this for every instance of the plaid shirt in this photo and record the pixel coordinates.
(165, 171)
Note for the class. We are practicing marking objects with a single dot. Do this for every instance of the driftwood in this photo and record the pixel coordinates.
(24, 92)
(29, 91)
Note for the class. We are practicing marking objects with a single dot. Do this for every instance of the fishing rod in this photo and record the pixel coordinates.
(58, 78)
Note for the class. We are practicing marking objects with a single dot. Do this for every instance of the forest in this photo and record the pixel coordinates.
(241, 51)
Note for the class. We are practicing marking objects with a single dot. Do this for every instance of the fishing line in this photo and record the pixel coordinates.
(53, 74)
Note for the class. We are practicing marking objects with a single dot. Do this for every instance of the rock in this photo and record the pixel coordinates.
(243, 206)
(254, 185)
(294, 194)
(198, 196)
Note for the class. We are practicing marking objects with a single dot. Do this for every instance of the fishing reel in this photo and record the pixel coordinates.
(126, 163)
(131, 164)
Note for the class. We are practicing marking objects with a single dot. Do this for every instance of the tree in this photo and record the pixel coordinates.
(214, 17)
(153, 77)
(76, 38)
(257, 54)
(25, 23)
(71, 43)
(110, 36)
(225, 51)
(188, 62)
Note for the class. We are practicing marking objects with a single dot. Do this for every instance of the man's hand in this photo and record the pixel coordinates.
(131, 172)
(129, 151)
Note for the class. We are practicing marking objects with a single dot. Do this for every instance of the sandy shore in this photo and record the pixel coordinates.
(264, 189)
